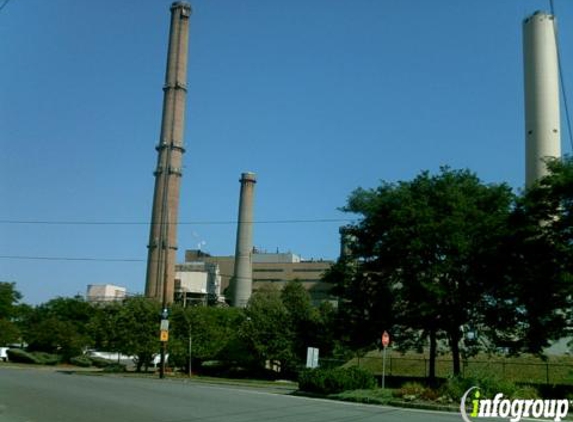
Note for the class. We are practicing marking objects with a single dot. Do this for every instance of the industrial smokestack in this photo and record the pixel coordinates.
(541, 76)
(163, 232)
(242, 283)
(345, 242)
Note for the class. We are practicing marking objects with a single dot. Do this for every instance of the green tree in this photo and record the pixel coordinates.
(420, 251)
(104, 327)
(211, 329)
(59, 326)
(9, 297)
(535, 270)
(137, 328)
(267, 331)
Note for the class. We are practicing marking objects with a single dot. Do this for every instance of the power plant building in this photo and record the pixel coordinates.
(105, 293)
(274, 269)
(198, 283)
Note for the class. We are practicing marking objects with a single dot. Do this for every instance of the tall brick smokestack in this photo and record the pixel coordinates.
(242, 283)
(163, 232)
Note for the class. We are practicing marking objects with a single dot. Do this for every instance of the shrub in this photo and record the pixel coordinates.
(414, 391)
(337, 380)
(44, 358)
(526, 392)
(39, 358)
(82, 361)
(489, 385)
(21, 356)
(114, 367)
(100, 362)
(410, 389)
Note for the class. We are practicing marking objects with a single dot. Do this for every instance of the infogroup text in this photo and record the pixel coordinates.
(514, 410)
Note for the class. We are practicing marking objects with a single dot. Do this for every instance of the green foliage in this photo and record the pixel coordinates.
(421, 257)
(415, 391)
(535, 270)
(211, 330)
(488, 384)
(267, 330)
(137, 328)
(21, 356)
(47, 358)
(58, 326)
(9, 332)
(9, 297)
(39, 358)
(100, 362)
(81, 361)
(114, 367)
(337, 380)
(375, 396)
(104, 328)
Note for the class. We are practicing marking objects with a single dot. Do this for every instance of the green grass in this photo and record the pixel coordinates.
(525, 368)
(374, 396)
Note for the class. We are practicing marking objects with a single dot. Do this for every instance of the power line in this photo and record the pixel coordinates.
(184, 223)
(561, 77)
(54, 258)
(4, 4)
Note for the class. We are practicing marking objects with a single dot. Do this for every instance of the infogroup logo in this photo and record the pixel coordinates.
(514, 410)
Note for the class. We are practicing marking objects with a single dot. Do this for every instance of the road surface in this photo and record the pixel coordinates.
(31, 395)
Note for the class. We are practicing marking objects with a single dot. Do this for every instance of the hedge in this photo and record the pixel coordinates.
(336, 380)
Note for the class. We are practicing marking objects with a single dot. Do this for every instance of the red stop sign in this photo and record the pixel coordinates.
(385, 339)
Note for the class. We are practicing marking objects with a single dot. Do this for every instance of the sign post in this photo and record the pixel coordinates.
(385, 343)
(163, 338)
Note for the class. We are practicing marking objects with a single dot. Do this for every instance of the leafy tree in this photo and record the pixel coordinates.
(302, 317)
(536, 269)
(267, 330)
(59, 326)
(104, 327)
(365, 306)
(9, 332)
(137, 328)
(9, 297)
(420, 251)
(212, 329)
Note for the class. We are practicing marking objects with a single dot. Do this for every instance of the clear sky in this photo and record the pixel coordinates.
(318, 97)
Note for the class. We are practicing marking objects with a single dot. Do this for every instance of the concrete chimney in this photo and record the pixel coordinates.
(242, 283)
(541, 77)
(163, 232)
(345, 241)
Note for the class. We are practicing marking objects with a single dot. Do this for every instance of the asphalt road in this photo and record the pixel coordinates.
(50, 396)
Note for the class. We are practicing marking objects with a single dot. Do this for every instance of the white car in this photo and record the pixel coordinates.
(4, 354)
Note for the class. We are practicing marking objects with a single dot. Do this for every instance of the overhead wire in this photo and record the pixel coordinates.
(181, 223)
(3, 5)
(561, 77)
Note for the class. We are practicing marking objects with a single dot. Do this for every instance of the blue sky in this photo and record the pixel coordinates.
(318, 97)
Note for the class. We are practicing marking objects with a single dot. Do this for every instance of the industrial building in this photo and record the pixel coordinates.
(198, 283)
(274, 269)
(105, 293)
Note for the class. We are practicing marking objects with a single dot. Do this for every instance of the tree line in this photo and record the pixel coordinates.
(443, 260)
(274, 329)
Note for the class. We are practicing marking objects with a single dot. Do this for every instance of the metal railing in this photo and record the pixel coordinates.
(526, 372)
